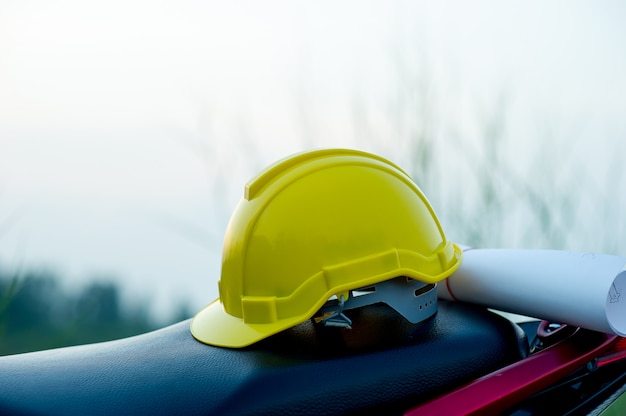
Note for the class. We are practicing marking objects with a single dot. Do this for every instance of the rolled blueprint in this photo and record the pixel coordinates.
(581, 289)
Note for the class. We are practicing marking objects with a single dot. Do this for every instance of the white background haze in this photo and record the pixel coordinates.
(128, 128)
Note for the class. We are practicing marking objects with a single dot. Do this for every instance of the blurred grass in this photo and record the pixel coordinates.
(494, 179)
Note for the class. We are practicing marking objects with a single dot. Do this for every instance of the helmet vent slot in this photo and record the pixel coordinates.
(424, 289)
(364, 291)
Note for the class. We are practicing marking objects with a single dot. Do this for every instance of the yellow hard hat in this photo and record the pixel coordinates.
(314, 225)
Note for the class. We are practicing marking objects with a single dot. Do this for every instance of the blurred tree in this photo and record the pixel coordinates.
(36, 313)
(99, 303)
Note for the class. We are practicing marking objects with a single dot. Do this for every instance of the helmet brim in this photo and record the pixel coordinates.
(213, 326)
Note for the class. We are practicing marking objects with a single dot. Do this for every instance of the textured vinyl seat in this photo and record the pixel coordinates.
(384, 364)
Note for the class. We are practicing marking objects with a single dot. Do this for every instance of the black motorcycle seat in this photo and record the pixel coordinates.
(384, 364)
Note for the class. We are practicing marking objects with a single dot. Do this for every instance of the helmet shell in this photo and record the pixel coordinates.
(318, 224)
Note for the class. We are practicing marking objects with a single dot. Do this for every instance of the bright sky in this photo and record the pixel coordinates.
(127, 128)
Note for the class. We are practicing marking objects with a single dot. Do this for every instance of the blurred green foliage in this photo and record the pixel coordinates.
(36, 313)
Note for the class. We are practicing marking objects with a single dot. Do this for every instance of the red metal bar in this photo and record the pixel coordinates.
(503, 388)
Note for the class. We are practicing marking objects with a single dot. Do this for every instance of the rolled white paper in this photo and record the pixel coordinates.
(581, 289)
